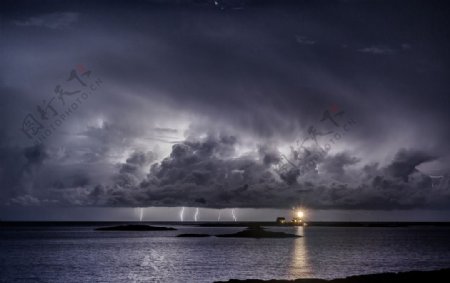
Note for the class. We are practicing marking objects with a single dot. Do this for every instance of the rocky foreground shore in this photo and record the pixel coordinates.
(436, 276)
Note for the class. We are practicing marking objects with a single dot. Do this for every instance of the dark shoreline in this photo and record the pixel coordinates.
(441, 275)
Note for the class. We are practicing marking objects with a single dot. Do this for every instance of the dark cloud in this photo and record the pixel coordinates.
(201, 102)
(406, 161)
(35, 155)
(52, 20)
(336, 165)
(269, 155)
(197, 174)
(136, 161)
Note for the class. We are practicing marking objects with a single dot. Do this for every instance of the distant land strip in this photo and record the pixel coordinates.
(223, 223)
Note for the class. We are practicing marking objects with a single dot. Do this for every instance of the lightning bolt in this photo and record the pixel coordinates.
(182, 214)
(141, 213)
(220, 213)
(196, 214)
(234, 215)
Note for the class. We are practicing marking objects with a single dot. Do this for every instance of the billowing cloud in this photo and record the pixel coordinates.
(208, 173)
(235, 104)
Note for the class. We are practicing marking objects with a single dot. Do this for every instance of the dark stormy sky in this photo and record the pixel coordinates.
(339, 107)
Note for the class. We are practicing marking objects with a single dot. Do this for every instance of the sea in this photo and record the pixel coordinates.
(78, 253)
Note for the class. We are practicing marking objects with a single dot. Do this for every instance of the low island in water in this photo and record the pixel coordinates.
(257, 231)
(254, 231)
(135, 227)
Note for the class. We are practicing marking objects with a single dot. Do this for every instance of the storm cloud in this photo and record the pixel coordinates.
(263, 104)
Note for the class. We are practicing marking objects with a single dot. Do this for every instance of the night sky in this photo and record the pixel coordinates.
(338, 107)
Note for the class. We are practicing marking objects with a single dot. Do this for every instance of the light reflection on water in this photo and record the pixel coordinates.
(300, 266)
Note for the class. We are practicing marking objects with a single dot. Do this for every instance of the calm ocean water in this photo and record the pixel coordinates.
(79, 254)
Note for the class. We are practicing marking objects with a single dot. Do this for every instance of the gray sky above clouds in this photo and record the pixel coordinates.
(330, 105)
